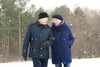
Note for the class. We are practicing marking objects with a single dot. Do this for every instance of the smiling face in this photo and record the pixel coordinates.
(43, 21)
(56, 21)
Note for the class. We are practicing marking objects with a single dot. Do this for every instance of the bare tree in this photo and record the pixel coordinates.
(19, 29)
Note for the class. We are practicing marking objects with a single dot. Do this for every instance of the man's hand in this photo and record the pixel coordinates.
(43, 45)
(25, 58)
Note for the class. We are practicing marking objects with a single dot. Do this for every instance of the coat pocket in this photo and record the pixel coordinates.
(34, 52)
(44, 53)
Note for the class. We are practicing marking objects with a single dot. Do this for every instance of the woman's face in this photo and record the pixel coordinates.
(56, 21)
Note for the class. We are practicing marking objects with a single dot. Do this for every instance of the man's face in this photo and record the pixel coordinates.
(56, 21)
(43, 21)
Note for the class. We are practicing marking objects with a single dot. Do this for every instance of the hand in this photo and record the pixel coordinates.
(51, 38)
(25, 58)
(43, 45)
(69, 46)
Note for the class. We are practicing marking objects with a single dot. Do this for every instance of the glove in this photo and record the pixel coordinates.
(43, 45)
(25, 58)
(69, 46)
(51, 38)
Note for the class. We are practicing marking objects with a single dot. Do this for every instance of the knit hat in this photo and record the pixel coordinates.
(58, 17)
(43, 15)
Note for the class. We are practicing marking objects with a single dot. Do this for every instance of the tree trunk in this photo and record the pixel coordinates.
(7, 46)
(19, 31)
(4, 43)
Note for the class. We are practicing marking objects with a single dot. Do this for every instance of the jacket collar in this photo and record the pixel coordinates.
(59, 27)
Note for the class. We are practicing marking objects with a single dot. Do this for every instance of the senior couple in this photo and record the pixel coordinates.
(40, 36)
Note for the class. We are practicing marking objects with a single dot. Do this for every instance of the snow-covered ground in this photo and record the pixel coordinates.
(94, 62)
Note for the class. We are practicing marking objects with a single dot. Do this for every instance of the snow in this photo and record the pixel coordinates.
(71, 24)
(90, 62)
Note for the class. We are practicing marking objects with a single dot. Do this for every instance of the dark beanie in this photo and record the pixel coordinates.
(43, 15)
(58, 17)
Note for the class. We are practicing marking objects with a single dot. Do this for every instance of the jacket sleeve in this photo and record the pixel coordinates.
(50, 42)
(26, 42)
(71, 39)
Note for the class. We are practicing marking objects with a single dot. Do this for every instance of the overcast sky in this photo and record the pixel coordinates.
(51, 4)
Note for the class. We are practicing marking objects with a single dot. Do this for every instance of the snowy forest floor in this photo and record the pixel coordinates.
(90, 62)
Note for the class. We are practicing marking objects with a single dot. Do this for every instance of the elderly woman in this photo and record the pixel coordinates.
(61, 49)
